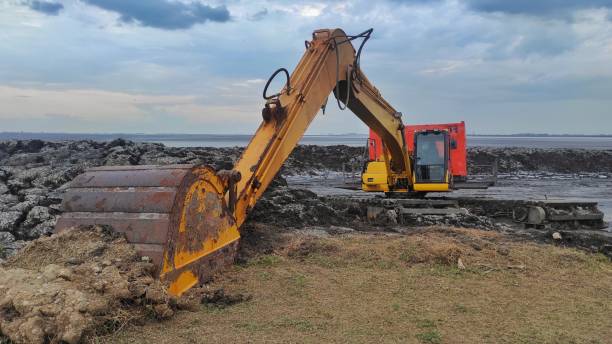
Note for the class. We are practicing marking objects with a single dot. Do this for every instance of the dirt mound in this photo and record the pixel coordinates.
(440, 245)
(77, 283)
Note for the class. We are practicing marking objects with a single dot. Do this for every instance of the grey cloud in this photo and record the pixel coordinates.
(260, 14)
(163, 14)
(48, 8)
(536, 7)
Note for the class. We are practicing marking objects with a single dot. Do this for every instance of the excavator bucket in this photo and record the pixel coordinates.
(176, 215)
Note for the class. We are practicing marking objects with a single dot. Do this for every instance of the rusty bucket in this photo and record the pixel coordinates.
(176, 215)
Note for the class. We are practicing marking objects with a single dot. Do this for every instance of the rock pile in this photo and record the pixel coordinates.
(512, 160)
(34, 173)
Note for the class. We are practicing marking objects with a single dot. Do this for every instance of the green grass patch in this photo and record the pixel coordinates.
(408, 254)
(432, 336)
(267, 260)
(426, 323)
(299, 281)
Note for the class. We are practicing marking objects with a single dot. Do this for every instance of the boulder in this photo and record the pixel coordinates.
(9, 245)
(9, 220)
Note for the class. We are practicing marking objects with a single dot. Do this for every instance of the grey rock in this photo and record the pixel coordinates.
(160, 158)
(57, 177)
(3, 188)
(35, 198)
(119, 159)
(3, 175)
(42, 229)
(16, 184)
(7, 201)
(9, 220)
(36, 216)
(8, 245)
(33, 191)
(6, 238)
(30, 174)
(23, 207)
(24, 159)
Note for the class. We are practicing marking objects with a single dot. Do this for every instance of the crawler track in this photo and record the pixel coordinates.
(541, 214)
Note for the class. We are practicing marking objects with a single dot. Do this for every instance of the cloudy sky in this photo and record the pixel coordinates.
(198, 66)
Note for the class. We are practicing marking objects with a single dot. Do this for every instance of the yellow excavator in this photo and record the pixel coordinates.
(186, 218)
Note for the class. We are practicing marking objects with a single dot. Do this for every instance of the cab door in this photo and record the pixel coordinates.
(431, 161)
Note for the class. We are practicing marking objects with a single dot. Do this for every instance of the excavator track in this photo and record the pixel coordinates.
(557, 214)
(176, 215)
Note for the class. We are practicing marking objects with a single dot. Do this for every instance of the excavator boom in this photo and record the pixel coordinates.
(186, 218)
(328, 65)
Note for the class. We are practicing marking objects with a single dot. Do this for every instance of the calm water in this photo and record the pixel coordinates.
(206, 140)
(542, 142)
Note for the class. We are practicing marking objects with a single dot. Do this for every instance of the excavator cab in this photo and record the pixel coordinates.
(431, 161)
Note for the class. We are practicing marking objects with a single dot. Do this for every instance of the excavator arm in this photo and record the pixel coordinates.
(329, 64)
(185, 218)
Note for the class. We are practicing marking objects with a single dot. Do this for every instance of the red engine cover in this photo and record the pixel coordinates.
(458, 155)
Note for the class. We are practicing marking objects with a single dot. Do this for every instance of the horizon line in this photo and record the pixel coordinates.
(2, 133)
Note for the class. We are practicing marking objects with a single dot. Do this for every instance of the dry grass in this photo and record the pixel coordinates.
(408, 289)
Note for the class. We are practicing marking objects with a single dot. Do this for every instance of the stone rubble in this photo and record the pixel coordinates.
(34, 173)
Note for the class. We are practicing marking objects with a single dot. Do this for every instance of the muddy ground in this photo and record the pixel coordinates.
(34, 173)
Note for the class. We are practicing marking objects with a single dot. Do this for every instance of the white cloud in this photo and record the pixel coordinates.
(83, 104)
(311, 10)
(249, 83)
(441, 68)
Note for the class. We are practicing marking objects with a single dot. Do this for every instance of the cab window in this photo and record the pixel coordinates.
(430, 157)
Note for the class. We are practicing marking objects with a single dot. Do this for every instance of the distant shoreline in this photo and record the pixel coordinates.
(355, 140)
(14, 135)
(538, 135)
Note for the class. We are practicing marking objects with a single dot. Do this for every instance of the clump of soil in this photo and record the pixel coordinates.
(77, 283)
